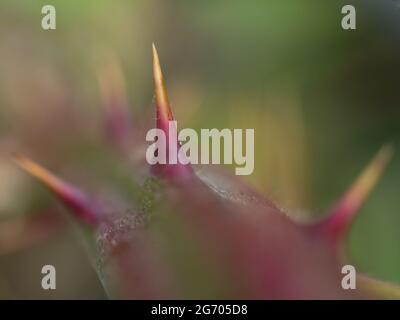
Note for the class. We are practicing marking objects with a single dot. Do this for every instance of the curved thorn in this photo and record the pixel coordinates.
(81, 205)
(343, 213)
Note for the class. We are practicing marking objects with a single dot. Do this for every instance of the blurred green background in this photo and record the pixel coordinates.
(322, 101)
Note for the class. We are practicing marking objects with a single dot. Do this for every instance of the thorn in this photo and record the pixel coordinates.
(164, 112)
(343, 213)
(163, 118)
(81, 205)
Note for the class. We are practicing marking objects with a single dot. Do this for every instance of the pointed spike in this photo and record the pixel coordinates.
(165, 122)
(84, 208)
(343, 213)
(164, 112)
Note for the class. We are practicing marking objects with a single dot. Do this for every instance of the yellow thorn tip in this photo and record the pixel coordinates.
(40, 173)
(369, 177)
(163, 106)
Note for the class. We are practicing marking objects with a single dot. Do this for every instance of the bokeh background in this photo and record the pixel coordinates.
(322, 101)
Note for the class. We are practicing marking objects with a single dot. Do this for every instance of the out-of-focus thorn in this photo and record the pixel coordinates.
(378, 289)
(340, 217)
(27, 231)
(83, 207)
(164, 118)
(114, 100)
